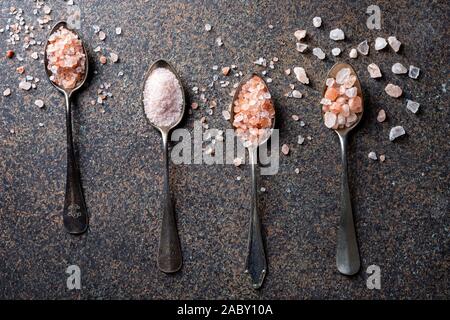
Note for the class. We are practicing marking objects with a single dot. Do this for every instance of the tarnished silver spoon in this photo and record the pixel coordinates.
(169, 252)
(347, 253)
(256, 264)
(75, 215)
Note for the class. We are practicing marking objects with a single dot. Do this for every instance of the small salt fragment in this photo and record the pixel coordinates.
(296, 94)
(101, 35)
(372, 155)
(398, 68)
(381, 116)
(337, 34)
(300, 139)
(118, 30)
(24, 85)
(226, 114)
(287, 72)
(261, 62)
(208, 27)
(301, 47)
(269, 80)
(363, 48)
(20, 69)
(285, 149)
(380, 43)
(39, 103)
(393, 90)
(330, 119)
(374, 70)
(97, 49)
(270, 26)
(225, 71)
(113, 57)
(35, 55)
(396, 132)
(394, 43)
(413, 72)
(319, 53)
(300, 34)
(301, 76)
(353, 53)
(47, 9)
(7, 92)
(297, 170)
(343, 75)
(302, 123)
(412, 106)
(336, 51)
(219, 41)
(382, 157)
(40, 124)
(237, 162)
(317, 22)
(103, 59)
(295, 117)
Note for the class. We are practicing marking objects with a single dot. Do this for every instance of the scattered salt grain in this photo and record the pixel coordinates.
(39, 103)
(118, 30)
(287, 72)
(301, 47)
(295, 117)
(261, 62)
(24, 85)
(336, 51)
(363, 48)
(101, 35)
(296, 94)
(393, 90)
(380, 43)
(208, 27)
(374, 70)
(337, 34)
(317, 22)
(381, 117)
(398, 68)
(35, 55)
(319, 53)
(382, 157)
(394, 43)
(353, 53)
(301, 76)
(219, 41)
(396, 132)
(226, 115)
(297, 170)
(300, 139)
(372, 155)
(285, 149)
(300, 34)
(413, 72)
(412, 106)
(7, 92)
(113, 57)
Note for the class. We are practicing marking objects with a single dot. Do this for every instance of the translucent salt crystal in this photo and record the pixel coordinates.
(297, 170)
(285, 149)
(413, 72)
(351, 92)
(114, 57)
(300, 34)
(394, 43)
(343, 75)
(39, 103)
(330, 82)
(300, 139)
(24, 85)
(261, 62)
(336, 51)
(337, 34)
(296, 94)
(301, 47)
(374, 70)
(301, 76)
(380, 43)
(363, 48)
(101, 35)
(319, 53)
(353, 54)
(398, 68)
(412, 106)
(118, 30)
(330, 119)
(325, 101)
(219, 41)
(7, 92)
(381, 116)
(393, 90)
(396, 132)
(382, 157)
(35, 55)
(341, 120)
(208, 27)
(317, 22)
(372, 155)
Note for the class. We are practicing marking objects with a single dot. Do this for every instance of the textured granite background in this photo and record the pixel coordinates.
(401, 206)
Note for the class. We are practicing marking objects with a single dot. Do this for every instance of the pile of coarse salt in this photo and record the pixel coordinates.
(163, 98)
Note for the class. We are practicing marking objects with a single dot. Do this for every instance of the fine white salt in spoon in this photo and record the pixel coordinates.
(164, 105)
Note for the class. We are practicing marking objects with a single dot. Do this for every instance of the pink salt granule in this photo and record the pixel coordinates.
(66, 58)
(253, 112)
(163, 98)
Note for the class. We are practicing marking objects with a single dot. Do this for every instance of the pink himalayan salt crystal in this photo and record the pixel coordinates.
(374, 71)
(285, 149)
(253, 112)
(330, 119)
(381, 116)
(163, 98)
(393, 90)
(66, 58)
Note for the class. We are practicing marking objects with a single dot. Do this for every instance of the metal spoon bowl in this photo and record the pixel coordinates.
(169, 253)
(347, 253)
(256, 264)
(75, 215)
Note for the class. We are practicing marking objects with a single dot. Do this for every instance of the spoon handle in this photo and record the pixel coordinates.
(347, 255)
(256, 264)
(169, 254)
(74, 214)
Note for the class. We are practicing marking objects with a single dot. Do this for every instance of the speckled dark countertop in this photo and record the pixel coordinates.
(401, 206)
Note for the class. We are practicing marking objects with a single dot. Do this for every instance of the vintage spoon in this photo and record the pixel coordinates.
(169, 253)
(256, 264)
(347, 253)
(75, 215)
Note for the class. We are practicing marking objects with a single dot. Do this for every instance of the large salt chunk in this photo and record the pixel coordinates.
(300, 34)
(330, 119)
(393, 90)
(317, 22)
(396, 132)
(412, 106)
(301, 76)
(343, 75)
(336, 51)
(380, 43)
(319, 53)
(413, 72)
(394, 43)
(301, 47)
(337, 34)
(374, 70)
(398, 68)
(363, 48)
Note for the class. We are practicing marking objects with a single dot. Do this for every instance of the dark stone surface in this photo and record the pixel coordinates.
(401, 206)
